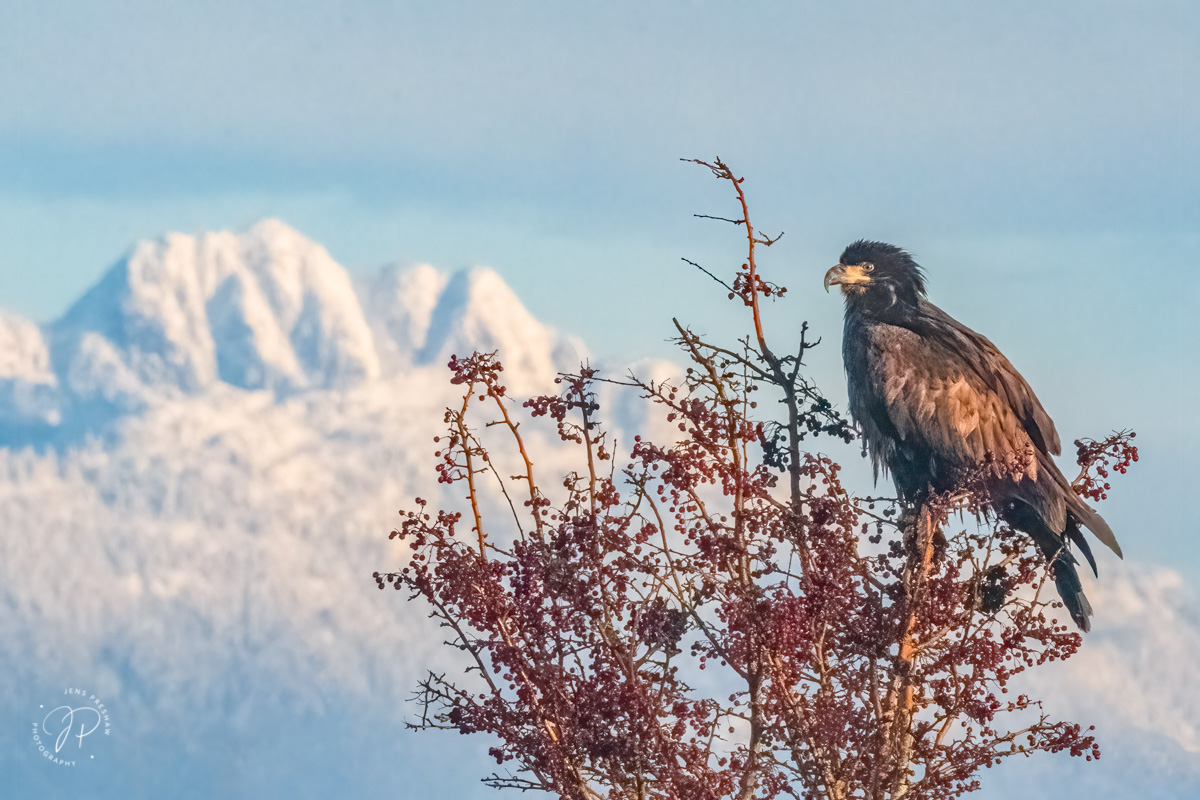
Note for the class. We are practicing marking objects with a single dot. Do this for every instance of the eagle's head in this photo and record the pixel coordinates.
(879, 276)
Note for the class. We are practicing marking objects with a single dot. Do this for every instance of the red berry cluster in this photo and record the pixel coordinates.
(1099, 459)
(746, 287)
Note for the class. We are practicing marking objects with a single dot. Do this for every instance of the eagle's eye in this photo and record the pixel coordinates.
(868, 267)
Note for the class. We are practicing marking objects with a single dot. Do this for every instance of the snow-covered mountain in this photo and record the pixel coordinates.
(203, 562)
(266, 309)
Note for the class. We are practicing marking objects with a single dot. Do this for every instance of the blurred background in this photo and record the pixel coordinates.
(220, 352)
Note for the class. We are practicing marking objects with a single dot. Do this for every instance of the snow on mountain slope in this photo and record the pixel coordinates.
(28, 391)
(23, 352)
(215, 529)
(264, 309)
(477, 310)
(399, 304)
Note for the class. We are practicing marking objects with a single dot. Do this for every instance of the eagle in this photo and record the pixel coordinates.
(936, 402)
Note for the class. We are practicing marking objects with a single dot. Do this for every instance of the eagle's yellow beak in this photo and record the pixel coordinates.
(846, 276)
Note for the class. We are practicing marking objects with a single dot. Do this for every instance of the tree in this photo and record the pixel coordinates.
(718, 616)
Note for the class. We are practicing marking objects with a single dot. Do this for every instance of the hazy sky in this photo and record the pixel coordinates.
(1041, 159)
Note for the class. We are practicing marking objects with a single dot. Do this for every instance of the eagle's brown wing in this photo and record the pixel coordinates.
(944, 390)
(976, 354)
(937, 401)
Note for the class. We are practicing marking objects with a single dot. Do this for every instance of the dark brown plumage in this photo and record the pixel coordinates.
(934, 400)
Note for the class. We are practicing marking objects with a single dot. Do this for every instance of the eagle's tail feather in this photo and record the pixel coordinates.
(1056, 547)
(1066, 580)
(1057, 550)
(1081, 542)
(1094, 523)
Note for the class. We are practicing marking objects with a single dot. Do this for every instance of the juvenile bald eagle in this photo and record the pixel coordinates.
(935, 400)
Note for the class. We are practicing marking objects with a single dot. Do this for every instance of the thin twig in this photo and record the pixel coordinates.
(706, 272)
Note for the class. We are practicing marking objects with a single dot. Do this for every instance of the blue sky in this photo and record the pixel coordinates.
(1041, 159)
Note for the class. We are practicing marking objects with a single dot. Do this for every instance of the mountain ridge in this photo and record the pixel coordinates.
(265, 309)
